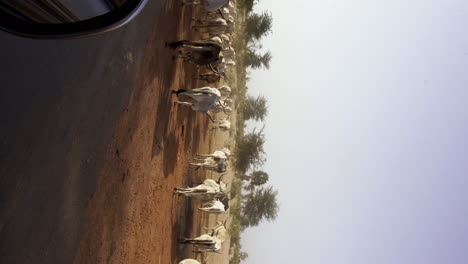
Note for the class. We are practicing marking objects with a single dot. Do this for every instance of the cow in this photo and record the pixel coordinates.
(215, 206)
(204, 243)
(211, 164)
(200, 52)
(206, 98)
(208, 190)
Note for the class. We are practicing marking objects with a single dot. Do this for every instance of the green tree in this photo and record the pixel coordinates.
(258, 205)
(247, 4)
(256, 179)
(259, 178)
(249, 152)
(255, 108)
(256, 60)
(258, 25)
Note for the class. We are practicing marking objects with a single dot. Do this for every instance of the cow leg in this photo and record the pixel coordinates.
(200, 165)
(183, 103)
(182, 190)
(191, 3)
(182, 55)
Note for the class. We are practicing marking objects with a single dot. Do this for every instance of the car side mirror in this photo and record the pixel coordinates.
(66, 18)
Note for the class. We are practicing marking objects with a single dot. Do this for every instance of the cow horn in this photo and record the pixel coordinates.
(221, 13)
(212, 120)
(211, 68)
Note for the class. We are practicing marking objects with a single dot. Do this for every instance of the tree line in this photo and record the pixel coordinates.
(259, 200)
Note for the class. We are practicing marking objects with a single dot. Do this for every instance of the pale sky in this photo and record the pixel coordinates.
(366, 136)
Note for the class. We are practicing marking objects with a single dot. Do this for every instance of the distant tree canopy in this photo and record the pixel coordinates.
(258, 205)
(256, 60)
(249, 151)
(258, 25)
(247, 4)
(257, 178)
(255, 108)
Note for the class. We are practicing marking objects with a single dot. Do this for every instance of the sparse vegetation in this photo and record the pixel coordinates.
(258, 25)
(256, 179)
(258, 205)
(247, 5)
(249, 152)
(254, 202)
(255, 108)
(256, 60)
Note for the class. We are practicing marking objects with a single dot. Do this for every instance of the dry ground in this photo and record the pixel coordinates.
(134, 217)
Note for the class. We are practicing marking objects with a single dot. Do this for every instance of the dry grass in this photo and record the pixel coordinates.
(239, 76)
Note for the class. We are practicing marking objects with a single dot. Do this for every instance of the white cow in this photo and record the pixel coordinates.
(205, 191)
(189, 261)
(222, 154)
(226, 101)
(225, 90)
(225, 38)
(231, 20)
(211, 163)
(206, 98)
(229, 12)
(225, 11)
(215, 26)
(218, 231)
(205, 242)
(214, 206)
(223, 42)
(217, 40)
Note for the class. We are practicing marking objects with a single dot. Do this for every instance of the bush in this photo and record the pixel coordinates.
(249, 152)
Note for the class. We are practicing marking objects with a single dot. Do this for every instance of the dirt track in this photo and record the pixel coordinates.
(73, 110)
(134, 217)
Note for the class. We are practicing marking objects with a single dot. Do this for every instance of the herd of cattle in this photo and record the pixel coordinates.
(214, 197)
(215, 53)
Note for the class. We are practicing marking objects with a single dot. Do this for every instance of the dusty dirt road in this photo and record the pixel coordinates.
(134, 217)
(130, 215)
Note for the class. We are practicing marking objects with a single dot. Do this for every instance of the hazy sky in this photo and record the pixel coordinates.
(366, 137)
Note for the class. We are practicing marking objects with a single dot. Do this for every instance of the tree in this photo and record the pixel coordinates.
(249, 151)
(259, 25)
(243, 256)
(247, 4)
(256, 60)
(255, 108)
(256, 179)
(259, 178)
(259, 205)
